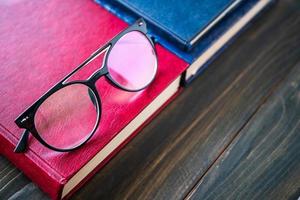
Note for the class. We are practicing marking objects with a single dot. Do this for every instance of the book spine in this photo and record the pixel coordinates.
(44, 178)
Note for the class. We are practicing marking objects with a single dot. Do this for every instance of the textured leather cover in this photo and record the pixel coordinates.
(41, 42)
(160, 19)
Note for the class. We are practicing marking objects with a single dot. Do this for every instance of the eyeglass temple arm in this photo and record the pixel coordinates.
(22, 144)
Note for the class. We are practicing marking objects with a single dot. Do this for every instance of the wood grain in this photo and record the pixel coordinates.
(176, 150)
(263, 162)
(14, 185)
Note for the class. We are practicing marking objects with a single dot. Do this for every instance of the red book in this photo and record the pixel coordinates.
(40, 43)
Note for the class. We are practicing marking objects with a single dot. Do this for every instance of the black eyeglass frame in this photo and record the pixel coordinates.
(26, 119)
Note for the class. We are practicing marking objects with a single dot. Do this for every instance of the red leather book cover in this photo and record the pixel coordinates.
(40, 43)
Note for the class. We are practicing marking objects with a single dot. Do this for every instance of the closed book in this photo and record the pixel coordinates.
(180, 22)
(40, 43)
(203, 27)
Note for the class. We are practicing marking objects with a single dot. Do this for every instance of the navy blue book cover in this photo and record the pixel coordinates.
(181, 24)
(179, 21)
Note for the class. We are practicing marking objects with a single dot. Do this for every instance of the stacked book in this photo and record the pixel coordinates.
(43, 41)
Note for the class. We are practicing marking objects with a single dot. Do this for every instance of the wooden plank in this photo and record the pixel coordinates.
(4, 166)
(13, 183)
(263, 162)
(170, 155)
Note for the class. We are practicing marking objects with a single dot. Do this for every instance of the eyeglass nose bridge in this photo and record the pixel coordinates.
(95, 76)
(103, 70)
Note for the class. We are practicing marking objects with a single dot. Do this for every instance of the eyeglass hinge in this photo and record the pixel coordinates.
(24, 119)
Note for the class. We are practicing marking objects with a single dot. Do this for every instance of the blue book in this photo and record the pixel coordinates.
(194, 30)
(181, 22)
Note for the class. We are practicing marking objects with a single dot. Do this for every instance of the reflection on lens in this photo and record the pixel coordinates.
(132, 61)
(67, 117)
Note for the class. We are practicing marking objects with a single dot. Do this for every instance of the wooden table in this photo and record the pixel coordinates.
(233, 134)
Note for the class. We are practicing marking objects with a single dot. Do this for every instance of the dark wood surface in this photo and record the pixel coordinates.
(232, 134)
(263, 161)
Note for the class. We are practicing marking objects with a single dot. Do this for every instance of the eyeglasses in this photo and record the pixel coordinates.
(130, 63)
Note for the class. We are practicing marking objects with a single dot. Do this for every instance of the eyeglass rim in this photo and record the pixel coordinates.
(98, 105)
(110, 78)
